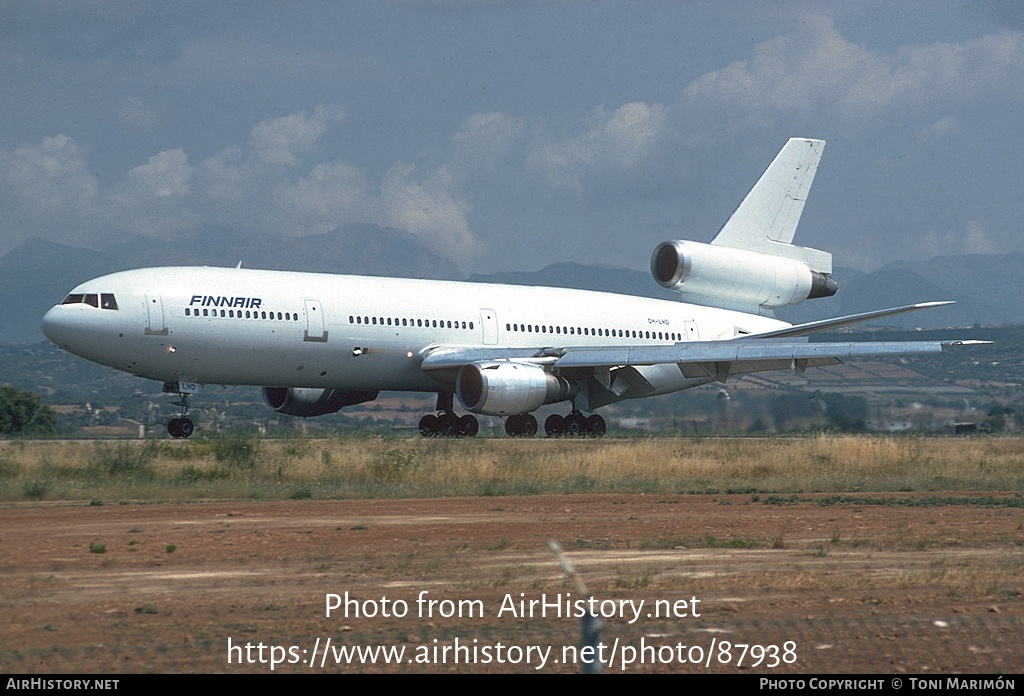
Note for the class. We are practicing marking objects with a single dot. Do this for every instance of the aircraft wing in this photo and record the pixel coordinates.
(724, 358)
(839, 322)
(781, 349)
(740, 353)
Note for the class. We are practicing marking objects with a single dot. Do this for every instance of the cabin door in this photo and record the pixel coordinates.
(155, 316)
(314, 322)
(489, 322)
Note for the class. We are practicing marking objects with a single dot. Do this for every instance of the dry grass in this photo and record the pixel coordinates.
(242, 467)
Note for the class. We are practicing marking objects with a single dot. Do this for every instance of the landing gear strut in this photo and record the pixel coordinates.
(446, 423)
(181, 427)
(574, 425)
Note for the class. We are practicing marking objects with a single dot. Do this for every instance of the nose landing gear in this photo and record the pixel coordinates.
(181, 427)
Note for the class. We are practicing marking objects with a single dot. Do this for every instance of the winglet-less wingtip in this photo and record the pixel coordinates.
(839, 322)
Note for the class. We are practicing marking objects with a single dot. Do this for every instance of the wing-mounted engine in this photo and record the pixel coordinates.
(504, 388)
(299, 401)
(730, 278)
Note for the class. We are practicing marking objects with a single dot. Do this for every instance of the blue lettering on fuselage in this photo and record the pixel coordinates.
(221, 301)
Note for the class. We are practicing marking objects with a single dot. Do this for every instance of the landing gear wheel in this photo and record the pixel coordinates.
(521, 425)
(447, 424)
(513, 426)
(576, 424)
(468, 426)
(554, 425)
(428, 425)
(596, 425)
(181, 427)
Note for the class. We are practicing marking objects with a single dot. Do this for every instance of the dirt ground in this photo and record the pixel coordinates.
(755, 585)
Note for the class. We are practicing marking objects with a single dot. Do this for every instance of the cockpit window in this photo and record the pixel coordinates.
(105, 300)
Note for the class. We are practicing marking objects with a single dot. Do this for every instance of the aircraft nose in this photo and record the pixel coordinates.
(56, 326)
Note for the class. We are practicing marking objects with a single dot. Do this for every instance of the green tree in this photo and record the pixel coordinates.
(22, 412)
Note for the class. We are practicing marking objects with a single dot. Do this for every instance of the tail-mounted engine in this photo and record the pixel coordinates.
(721, 276)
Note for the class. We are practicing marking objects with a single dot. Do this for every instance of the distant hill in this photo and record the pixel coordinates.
(358, 249)
(575, 275)
(985, 288)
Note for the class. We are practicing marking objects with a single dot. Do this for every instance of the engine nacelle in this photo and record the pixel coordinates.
(503, 388)
(300, 401)
(736, 276)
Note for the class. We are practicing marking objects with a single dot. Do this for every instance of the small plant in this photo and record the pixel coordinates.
(124, 461)
(146, 609)
(35, 490)
(238, 451)
(96, 547)
(393, 465)
(170, 548)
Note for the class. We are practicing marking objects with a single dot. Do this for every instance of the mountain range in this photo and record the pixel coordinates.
(37, 274)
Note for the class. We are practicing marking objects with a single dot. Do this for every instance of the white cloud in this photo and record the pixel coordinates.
(429, 208)
(165, 174)
(817, 71)
(283, 141)
(48, 190)
(482, 140)
(972, 238)
(610, 143)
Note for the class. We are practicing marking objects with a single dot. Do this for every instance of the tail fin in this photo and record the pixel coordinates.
(767, 218)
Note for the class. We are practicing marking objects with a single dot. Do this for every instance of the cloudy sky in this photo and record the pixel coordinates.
(510, 135)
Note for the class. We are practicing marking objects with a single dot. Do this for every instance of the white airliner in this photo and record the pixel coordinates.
(316, 343)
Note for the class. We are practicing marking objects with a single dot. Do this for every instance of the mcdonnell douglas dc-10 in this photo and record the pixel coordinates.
(316, 343)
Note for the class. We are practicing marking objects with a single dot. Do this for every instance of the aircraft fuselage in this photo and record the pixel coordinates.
(275, 328)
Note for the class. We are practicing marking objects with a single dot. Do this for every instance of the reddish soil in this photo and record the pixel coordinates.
(841, 588)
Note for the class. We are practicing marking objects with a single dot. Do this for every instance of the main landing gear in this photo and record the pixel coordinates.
(574, 425)
(446, 423)
(181, 427)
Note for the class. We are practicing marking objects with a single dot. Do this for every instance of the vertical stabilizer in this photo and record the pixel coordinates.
(767, 218)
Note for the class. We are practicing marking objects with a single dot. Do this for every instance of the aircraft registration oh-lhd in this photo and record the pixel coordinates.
(316, 343)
